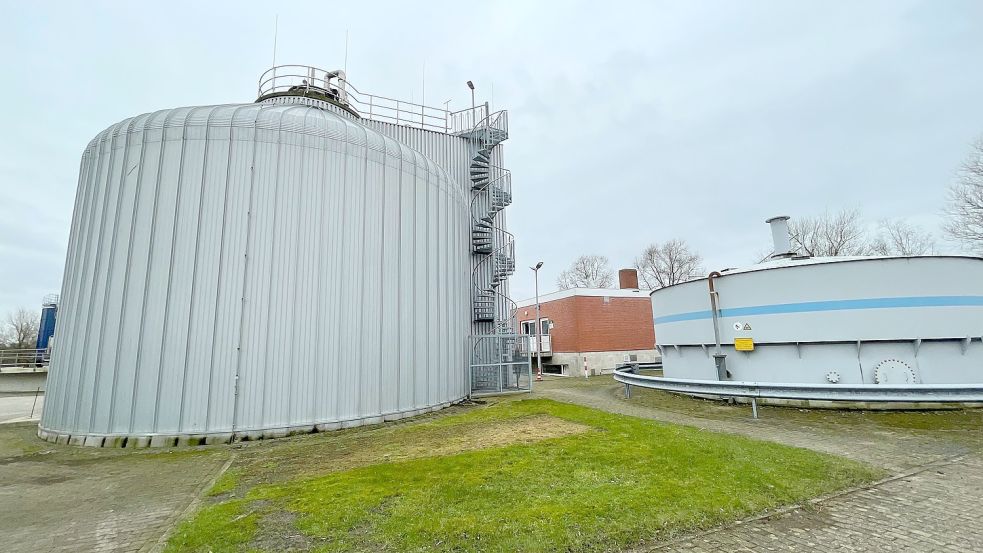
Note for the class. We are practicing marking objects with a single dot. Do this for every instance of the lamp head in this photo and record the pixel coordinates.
(471, 85)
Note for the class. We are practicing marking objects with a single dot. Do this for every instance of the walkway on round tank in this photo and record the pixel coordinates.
(932, 502)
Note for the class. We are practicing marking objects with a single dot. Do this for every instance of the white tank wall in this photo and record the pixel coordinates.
(454, 155)
(253, 268)
(806, 319)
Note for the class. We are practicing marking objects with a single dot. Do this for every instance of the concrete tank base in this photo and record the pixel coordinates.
(181, 440)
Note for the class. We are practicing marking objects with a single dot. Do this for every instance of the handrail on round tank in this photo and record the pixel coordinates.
(870, 393)
(283, 80)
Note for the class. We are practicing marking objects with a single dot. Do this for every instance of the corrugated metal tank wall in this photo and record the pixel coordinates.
(454, 155)
(257, 269)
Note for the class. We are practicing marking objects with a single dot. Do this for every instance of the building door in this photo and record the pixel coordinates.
(545, 326)
(528, 328)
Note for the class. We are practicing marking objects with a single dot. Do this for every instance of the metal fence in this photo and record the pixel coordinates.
(34, 358)
(499, 365)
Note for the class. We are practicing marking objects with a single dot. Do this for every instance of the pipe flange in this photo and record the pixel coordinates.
(833, 377)
(894, 371)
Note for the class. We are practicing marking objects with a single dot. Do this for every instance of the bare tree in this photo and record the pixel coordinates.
(964, 210)
(588, 271)
(830, 235)
(672, 262)
(22, 328)
(900, 238)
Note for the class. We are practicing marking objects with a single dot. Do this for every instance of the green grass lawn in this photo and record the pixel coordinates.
(958, 425)
(530, 475)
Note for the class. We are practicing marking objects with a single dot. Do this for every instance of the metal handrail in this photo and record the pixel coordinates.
(507, 243)
(505, 240)
(911, 393)
(503, 181)
(498, 121)
(25, 357)
(467, 119)
(292, 78)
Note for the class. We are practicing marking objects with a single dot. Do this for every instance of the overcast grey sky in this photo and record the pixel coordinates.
(631, 122)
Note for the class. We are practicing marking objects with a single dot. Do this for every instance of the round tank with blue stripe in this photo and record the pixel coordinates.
(843, 320)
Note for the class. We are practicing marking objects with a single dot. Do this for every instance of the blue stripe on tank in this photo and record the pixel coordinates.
(830, 305)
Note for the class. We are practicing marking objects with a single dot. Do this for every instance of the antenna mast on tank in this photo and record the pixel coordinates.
(276, 25)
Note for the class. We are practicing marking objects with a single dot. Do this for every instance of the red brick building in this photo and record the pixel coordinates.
(597, 326)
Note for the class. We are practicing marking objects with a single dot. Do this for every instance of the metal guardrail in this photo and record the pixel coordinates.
(24, 358)
(913, 393)
(286, 79)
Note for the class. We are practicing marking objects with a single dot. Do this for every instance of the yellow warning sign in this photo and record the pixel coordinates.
(744, 344)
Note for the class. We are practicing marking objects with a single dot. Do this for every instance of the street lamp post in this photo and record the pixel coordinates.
(471, 86)
(539, 328)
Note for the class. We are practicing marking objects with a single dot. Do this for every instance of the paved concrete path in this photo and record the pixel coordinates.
(934, 501)
(66, 498)
(935, 509)
(20, 407)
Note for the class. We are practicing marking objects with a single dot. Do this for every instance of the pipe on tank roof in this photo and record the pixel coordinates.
(780, 236)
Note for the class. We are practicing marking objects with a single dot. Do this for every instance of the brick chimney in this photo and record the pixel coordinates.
(628, 279)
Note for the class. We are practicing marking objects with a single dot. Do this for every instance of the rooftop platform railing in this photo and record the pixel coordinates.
(305, 80)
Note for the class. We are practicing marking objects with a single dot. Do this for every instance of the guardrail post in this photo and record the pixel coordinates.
(627, 390)
(754, 408)
(38, 392)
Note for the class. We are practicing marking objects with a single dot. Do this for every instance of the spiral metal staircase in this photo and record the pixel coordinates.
(497, 364)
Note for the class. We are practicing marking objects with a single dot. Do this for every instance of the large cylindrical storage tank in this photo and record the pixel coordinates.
(255, 270)
(840, 321)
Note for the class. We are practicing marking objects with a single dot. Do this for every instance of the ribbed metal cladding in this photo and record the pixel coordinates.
(454, 155)
(257, 270)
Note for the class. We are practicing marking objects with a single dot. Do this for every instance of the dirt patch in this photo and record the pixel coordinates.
(278, 532)
(525, 430)
(48, 480)
(333, 452)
